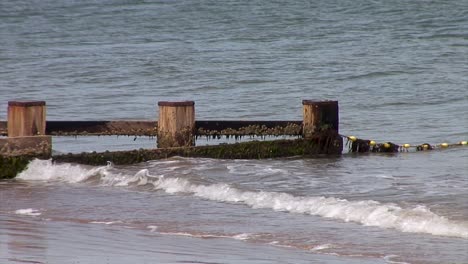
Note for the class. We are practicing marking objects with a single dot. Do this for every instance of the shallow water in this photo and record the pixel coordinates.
(317, 207)
(397, 68)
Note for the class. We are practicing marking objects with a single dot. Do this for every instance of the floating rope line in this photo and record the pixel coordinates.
(363, 145)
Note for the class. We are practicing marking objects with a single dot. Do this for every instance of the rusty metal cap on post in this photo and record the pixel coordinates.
(314, 102)
(180, 103)
(26, 103)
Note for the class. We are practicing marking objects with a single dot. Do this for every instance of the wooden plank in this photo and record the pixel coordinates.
(148, 128)
(71, 128)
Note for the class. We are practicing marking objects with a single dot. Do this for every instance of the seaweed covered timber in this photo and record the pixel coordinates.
(12, 165)
(176, 131)
(322, 144)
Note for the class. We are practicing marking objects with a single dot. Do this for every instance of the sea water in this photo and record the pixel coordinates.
(397, 68)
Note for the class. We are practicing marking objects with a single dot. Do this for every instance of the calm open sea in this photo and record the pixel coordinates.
(398, 68)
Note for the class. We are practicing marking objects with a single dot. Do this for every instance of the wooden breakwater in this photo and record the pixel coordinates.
(26, 137)
(29, 135)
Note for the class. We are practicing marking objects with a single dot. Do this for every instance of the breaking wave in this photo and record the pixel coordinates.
(28, 212)
(418, 219)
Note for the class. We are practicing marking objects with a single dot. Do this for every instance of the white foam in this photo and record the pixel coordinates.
(152, 228)
(278, 244)
(259, 170)
(384, 176)
(121, 180)
(243, 236)
(367, 212)
(28, 212)
(186, 234)
(321, 247)
(46, 170)
(370, 213)
(388, 259)
(103, 223)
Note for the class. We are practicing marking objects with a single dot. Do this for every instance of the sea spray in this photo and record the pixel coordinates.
(46, 170)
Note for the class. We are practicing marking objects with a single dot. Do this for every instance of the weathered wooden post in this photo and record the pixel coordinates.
(320, 124)
(26, 118)
(26, 137)
(319, 116)
(176, 124)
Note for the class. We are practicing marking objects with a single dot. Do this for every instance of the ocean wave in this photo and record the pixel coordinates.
(240, 236)
(417, 219)
(46, 170)
(369, 213)
(28, 212)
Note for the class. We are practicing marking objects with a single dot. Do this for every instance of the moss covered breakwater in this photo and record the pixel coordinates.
(325, 143)
(11, 166)
(244, 150)
(176, 131)
(16, 152)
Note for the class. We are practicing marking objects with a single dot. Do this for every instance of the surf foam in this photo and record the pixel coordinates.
(28, 212)
(370, 213)
(46, 170)
(367, 212)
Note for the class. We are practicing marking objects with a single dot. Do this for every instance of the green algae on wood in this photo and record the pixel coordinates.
(321, 144)
(11, 166)
(16, 152)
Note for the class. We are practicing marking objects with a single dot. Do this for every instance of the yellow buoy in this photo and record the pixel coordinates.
(406, 145)
(463, 142)
(386, 145)
(444, 145)
(372, 143)
(352, 138)
(425, 146)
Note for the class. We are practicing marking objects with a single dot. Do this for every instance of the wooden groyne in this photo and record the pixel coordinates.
(243, 150)
(209, 128)
(175, 130)
(26, 137)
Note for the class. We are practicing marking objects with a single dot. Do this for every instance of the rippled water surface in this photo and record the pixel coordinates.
(398, 69)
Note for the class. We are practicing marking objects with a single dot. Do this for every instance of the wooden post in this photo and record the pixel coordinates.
(26, 137)
(26, 118)
(319, 116)
(176, 124)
